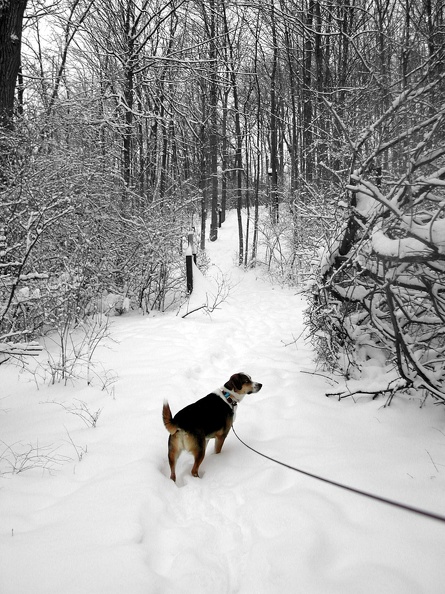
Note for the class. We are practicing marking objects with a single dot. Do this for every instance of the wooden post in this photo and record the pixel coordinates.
(2, 247)
(189, 263)
(194, 250)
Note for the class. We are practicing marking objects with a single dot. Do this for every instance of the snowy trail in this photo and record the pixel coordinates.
(114, 522)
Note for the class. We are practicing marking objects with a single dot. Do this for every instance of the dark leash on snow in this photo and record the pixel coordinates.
(409, 508)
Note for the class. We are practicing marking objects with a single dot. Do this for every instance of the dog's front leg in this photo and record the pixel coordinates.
(198, 451)
(219, 441)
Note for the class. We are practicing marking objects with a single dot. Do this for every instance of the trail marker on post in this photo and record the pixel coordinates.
(190, 256)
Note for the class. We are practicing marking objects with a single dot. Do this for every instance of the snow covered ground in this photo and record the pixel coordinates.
(107, 519)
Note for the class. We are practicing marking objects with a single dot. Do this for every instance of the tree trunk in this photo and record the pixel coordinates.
(213, 133)
(274, 124)
(307, 93)
(239, 140)
(224, 157)
(247, 191)
(258, 157)
(203, 167)
(293, 94)
(128, 95)
(11, 19)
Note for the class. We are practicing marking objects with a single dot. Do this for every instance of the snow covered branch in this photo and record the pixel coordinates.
(378, 308)
(19, 349)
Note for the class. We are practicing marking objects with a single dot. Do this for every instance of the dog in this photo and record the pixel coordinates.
(210, 417)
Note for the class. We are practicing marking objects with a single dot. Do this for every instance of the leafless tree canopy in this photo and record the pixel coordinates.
(126, 122)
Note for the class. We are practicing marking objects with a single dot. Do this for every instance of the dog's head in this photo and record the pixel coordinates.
(242, 384)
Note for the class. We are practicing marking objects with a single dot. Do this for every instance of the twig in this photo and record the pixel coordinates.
(321, 375)
(31, 457)
(79, 451)
(432, 461)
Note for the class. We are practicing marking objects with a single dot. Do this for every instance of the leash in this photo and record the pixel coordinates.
(404, 506)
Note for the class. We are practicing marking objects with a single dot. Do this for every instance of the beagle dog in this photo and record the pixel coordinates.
(210, 417)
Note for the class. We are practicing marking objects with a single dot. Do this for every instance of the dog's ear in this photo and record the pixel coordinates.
(236, 381)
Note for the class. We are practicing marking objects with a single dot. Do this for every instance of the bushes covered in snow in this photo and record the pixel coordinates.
(378, 304)
(75, 241)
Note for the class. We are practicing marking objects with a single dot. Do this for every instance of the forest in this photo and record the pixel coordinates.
(124, 124)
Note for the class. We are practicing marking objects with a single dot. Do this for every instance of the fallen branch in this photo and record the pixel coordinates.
(391, 388)
(20, 349)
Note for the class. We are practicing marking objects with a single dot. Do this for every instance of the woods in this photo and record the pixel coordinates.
(126, 123)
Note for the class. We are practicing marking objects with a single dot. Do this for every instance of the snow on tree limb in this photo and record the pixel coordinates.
(379, 305)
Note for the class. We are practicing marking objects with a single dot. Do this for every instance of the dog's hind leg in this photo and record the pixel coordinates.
(174, 450)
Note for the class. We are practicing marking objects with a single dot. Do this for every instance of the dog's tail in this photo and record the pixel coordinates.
(167, 418)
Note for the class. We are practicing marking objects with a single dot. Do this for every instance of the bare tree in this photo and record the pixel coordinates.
(11, 23)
